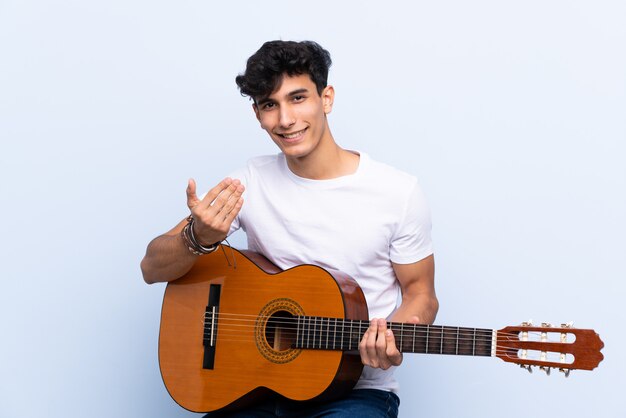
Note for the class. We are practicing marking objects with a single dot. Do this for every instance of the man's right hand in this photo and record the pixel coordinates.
(167, 257)
(214, 214)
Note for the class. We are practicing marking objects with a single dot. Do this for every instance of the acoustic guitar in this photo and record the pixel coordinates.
(236, 327)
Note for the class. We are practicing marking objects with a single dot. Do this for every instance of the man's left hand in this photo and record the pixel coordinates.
(378, 345)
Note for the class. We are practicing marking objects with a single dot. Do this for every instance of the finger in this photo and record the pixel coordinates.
(381, 344)
(393, 354)
(230, 217)
(363, 350)
(226, 201)
(215, 192)
(192, 198)
(223, 198)
(370, 343)
(380, 337)
(414, 320)
(365, 344)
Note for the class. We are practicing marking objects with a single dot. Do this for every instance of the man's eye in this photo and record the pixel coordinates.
(268, 106)
(298, 98)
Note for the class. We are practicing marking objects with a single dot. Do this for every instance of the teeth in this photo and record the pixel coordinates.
(294, 135)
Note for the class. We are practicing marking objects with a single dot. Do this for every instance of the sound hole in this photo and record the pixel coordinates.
(280, 331)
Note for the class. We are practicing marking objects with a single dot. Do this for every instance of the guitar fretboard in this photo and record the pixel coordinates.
(345, 334)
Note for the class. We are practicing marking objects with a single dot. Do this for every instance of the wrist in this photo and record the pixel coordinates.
(192, 243)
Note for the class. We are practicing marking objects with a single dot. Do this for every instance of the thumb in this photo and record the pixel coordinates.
(192, 198)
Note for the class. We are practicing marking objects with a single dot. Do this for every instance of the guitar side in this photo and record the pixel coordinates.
(250, 359)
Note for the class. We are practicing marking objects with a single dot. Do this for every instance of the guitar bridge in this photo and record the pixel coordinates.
(211, 314)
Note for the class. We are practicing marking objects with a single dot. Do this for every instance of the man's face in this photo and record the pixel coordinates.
(295, 115)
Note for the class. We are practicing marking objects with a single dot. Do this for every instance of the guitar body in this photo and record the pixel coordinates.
(253, 356)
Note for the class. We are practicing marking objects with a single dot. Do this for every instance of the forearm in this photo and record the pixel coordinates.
(167, 258)
(424, 306)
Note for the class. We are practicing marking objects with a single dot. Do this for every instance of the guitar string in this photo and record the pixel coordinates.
(500, 351)
(405, 329)
(326, 320)
(476, 341)
(406, 335)
(465, 340)
(354, 340)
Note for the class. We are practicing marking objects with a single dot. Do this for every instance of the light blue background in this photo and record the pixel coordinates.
(512, 114)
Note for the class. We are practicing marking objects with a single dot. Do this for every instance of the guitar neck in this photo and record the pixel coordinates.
(345, 334)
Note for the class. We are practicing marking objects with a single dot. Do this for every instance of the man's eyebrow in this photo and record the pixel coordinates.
(263, 100)
(268, 99)
(298, 91)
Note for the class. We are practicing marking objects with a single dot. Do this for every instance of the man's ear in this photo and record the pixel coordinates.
(328, 98)
(256, 111)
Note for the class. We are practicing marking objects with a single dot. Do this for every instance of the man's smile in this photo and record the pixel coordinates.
(293, 135)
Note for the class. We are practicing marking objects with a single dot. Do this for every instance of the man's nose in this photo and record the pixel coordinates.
(287, 117)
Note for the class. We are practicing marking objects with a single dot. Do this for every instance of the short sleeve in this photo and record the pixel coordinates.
(241, 175)
(411, 241)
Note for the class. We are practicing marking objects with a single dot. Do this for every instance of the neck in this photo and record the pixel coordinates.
(345, 334)
(327, 161)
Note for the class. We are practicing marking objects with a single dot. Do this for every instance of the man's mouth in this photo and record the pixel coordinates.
(293, 135)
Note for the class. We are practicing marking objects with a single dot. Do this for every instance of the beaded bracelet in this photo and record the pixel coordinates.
(192, 243)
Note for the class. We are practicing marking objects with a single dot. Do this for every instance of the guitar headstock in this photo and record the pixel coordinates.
(565, 348)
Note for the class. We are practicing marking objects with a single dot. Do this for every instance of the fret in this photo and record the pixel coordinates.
(350, 339)
(318, 332)
(427, 335)
(448, 336)
(306, 330)
(322, 333)
(298, 331)
(301, 341)
(441, 344)
(401, 335)
(308, 334)
(343, 326)
(468, 342)
(457, 340)
(434, 339)
(483, 342)
(363, 328)
(335, 335)
(474, 343)
(354, 342)
(321, 337)
(327, 331)
(357, 337)
(314, 331)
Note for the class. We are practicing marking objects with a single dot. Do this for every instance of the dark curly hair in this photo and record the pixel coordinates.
(266, 67)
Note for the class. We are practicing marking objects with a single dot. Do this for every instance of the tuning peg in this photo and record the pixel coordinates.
(527, 367)
(528, 323)
(546, 324)
(545, 369)
(565, 371)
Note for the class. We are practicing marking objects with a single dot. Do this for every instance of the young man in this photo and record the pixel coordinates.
(316, 203)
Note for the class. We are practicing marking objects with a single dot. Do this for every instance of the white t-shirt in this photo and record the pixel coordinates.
(357, 224)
